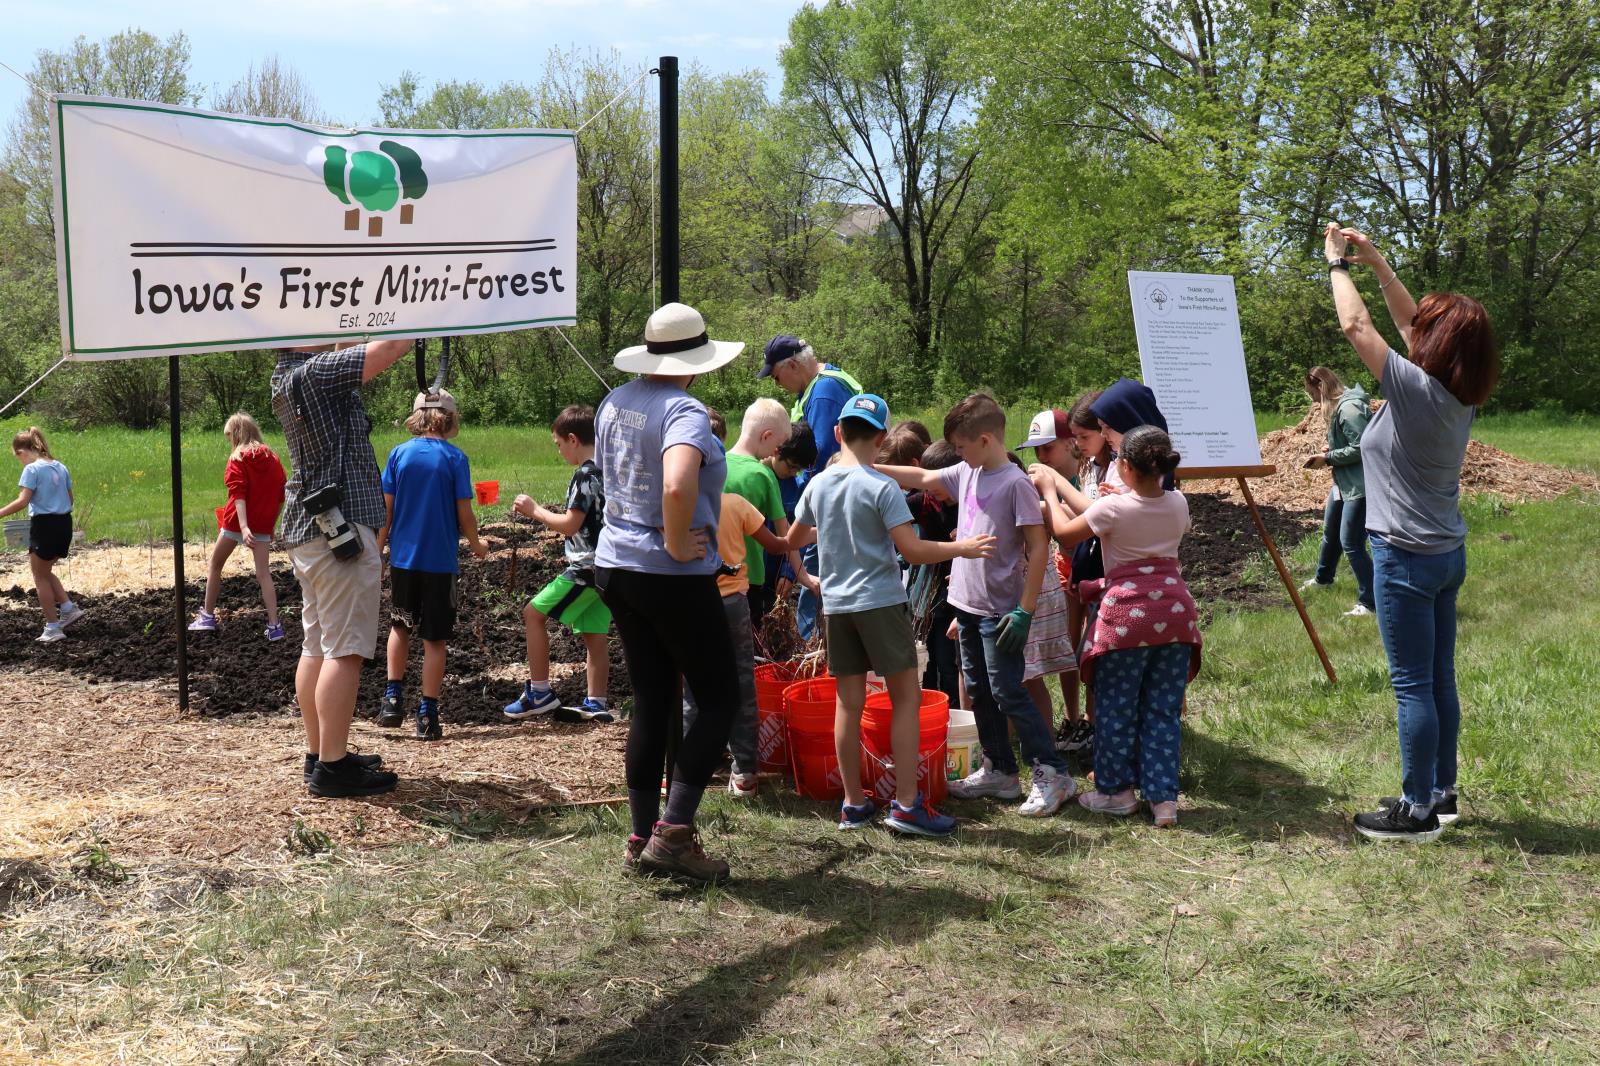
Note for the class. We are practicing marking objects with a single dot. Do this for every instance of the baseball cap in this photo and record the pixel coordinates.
(867, 407)
(783, 346)
(1047, 426)
(440, 400)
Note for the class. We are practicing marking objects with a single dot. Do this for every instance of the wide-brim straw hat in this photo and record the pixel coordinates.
(675, 343)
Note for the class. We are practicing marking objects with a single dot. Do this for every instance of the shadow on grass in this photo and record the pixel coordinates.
(1252, 795)
(1534, 835)
(730, 998)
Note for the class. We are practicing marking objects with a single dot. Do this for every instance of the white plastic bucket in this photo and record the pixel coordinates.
(16, 532)
(963, 753)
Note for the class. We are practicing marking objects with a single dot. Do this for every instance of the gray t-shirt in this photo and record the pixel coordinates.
(1412, 450)
(634, 427)
(854, 508)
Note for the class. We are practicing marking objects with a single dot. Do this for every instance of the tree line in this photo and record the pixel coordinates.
(946, 193)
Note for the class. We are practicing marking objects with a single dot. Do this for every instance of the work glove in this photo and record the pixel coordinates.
(1012, 633)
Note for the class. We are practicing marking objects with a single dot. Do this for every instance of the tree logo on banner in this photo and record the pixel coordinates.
(1159, 299)
(375, 180)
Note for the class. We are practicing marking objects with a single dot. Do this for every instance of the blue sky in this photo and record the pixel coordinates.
(348, 49)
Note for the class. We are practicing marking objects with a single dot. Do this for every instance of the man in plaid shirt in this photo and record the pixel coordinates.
(316, 394)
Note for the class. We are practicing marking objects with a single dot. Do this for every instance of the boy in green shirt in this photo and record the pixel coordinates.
(763, 431)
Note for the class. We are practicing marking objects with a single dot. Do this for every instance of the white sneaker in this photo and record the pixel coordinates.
(984, 781)
(742, 786)
(1313, 583)
(70, 616)
(51, 634)
(1051, 789)
(1360, 610)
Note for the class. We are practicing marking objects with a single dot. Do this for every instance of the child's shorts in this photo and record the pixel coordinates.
(879, 639)
(238, 538)
(423, 602)
(50, 536)
(578, 607)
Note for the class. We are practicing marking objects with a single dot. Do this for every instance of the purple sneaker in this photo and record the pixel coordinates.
(920, 819)
(274, 631)
(204, 622)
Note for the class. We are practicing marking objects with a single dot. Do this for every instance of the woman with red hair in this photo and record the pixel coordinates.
(1412, 452)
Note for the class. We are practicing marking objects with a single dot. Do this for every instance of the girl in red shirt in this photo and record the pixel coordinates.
(254, 478)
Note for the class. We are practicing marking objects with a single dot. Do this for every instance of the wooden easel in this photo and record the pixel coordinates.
(1241, 474)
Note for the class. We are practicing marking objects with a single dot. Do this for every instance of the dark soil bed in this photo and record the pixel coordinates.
(129, 637)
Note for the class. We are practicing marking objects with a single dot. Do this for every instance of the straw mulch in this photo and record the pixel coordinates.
(118, 763)
(1486, 470)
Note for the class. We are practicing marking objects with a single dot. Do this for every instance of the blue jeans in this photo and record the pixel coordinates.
(1417, 618)
(1138, 696)
(1344, 527)
(805, 609)
(994, 688)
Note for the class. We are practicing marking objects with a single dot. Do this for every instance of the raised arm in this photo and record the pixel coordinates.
(1402, 308)
(1352, 310)
(381, 355)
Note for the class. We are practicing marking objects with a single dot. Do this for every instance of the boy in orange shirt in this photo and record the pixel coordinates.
(738, 520)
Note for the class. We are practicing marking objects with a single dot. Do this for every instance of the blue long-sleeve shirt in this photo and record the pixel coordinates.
(827, 399)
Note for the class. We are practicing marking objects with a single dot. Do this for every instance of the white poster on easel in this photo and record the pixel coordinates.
(1192, 356)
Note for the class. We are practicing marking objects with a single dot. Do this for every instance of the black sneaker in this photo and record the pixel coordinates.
(1446, 808)
(1398, 823)
(371, 761)
(428, 725)
(349, 778)
(389, 712)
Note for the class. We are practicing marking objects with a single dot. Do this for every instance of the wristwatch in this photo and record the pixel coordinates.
(1339, 264)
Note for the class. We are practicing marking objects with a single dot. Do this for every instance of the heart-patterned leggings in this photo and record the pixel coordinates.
(1138, 695)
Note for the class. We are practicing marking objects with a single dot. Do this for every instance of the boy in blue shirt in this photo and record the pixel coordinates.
(858, 519)
(427, 491)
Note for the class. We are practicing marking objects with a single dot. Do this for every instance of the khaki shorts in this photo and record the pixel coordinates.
(879, 639)
(339, 600)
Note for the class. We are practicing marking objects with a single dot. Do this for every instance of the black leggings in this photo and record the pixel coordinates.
(673, 625)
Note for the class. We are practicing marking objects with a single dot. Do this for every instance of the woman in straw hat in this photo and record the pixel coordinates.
(656, 566)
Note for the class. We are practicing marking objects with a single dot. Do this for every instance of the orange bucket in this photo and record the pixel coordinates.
(877, 760)
(488, 492)
(809, 709)
(772, 731)
(220, 512)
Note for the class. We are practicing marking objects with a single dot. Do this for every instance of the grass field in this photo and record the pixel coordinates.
(1262, 931)
(123, 477)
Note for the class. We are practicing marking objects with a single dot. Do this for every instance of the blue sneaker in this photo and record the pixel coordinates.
(596, 711)
(857, 817)
(920, 819)
(532, 703)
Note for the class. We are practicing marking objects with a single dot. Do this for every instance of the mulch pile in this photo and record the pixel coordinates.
(1486, 470)
(129, 637)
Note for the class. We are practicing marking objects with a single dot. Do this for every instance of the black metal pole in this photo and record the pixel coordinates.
(179, 606)
(669, 179)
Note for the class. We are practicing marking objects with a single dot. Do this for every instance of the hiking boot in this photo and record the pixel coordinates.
(274, 632)
(70, 614)
(204, 622)
(349, 778)
(389, 712)
(52, 633)
(1398, 823)
(369, 761)
(531, 703)
(857, 817)
(920, 819)
(1444, 809)
(742, 786)
(986, 781)
(631, 852)
(1051, 789)
(675, 851)
(428, 727)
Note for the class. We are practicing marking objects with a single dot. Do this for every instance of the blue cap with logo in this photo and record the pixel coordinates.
(867, 407)
(779, 348)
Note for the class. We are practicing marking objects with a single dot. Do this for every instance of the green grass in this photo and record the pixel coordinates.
(122, 478)
(1545, 437)
(1262, 931)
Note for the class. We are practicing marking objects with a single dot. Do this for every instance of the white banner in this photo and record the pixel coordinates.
(180, 230)
(1192, 356)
